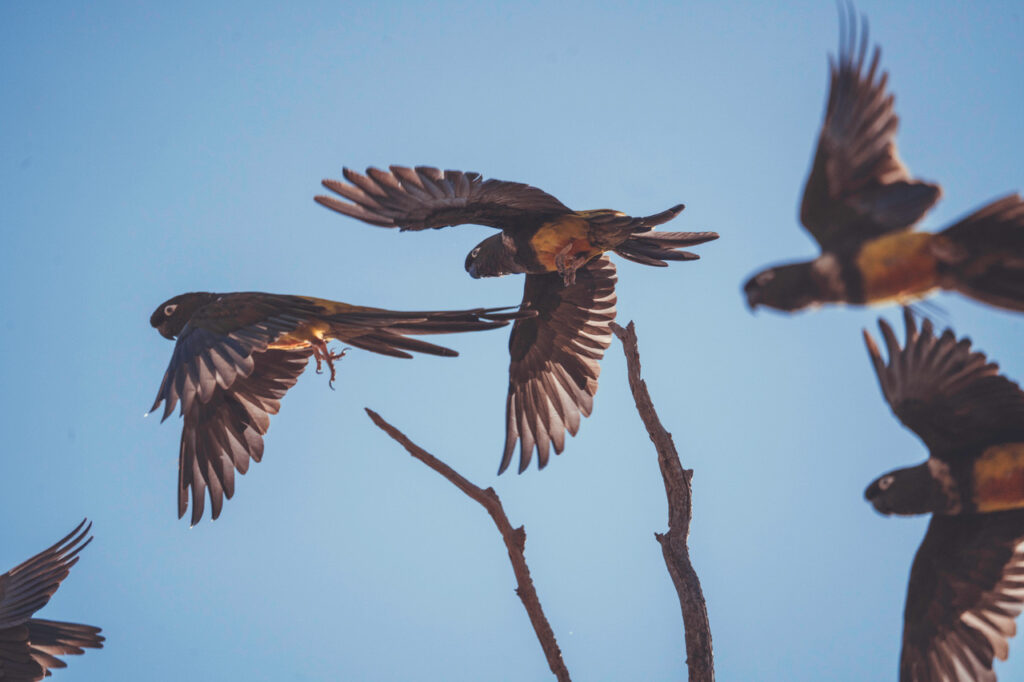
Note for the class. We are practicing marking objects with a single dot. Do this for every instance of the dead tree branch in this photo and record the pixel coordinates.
(699, 656)
(515, 541)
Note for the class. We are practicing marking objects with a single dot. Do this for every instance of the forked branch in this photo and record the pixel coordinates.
(515, 540)
(699, 655)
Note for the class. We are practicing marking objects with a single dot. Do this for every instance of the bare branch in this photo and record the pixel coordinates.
(699, 655)
(515, 541)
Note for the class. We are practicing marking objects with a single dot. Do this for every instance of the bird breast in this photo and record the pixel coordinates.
(999, 478)
(567, 236)
(897, 267)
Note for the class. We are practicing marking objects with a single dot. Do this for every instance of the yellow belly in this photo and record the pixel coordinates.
(999, 478)
(897, 267)
(568, 235)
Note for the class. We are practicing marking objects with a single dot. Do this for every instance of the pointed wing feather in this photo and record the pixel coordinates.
(554, 368)
(953, 398)
(27, 587)
(966, 591)
(423, 197)
(858, 187)
(221, 434)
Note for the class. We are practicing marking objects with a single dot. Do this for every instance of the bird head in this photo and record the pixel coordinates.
(907, 491)
(784, 287)
(493, 257)
(173, 314)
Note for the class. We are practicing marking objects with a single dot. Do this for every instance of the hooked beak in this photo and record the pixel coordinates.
(872, 495)
(473, 272)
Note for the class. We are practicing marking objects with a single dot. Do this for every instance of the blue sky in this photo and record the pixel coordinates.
(147, 149)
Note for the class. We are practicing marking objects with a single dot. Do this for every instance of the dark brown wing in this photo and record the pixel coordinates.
(48, 639)
(966, 590)
(950, 396)
(27, 587)
(555, 356)
(423, 197)
(229, 383)
(858, 187)
(221, 434)
(217, 344)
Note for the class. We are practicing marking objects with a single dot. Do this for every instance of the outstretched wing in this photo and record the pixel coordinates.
(423, 197)
(229, 382)
(29, 646)
(223, 432)
(27, 587)
(950, 396)
(858, 187)
(555, 356)
(966, 590)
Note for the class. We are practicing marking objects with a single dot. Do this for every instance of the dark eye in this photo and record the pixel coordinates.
(884, 482)
(475, 252)
(765, 277)
(169, 309)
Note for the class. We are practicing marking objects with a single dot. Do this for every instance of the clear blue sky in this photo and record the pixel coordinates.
(148, 149)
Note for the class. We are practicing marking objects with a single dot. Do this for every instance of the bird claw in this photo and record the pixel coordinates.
(568, 265)
(322, 354)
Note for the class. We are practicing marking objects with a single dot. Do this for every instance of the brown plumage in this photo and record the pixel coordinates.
(861, 203)
(29, 646)
(237, 354)
(569, 282)
(967, 581)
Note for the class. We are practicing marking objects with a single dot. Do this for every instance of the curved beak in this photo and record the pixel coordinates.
(873, 495)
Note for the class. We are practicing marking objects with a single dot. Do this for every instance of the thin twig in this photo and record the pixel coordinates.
(515, 541)
(699, 655)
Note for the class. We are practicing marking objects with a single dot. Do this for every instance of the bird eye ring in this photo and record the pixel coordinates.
(884, 482)
(169, 309)
(765, 277)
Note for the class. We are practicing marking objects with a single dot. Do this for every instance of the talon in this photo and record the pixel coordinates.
(324, 355)
(568, 265)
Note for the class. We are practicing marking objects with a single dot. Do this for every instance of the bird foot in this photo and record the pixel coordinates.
(568, 265)
(322, 354)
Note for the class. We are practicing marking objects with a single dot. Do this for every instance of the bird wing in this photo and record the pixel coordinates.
(966, 590)
(953, 398)
(224, 431)
(555, 355)
(216, 347)
(229, 383)
(858, 187)
(48, 639)
(421, 198)
(16, 661)
(27, 587)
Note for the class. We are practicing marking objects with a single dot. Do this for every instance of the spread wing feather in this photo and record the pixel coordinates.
(27, 587)
(966, 591)
(953, 398)
(29, 647)
(554, 359)
(421, 198)
(858, 187)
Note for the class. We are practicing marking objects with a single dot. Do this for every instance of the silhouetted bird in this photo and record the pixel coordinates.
(967, 581)
(860, 203)
(569, 282)
(29, 646)
(238, 354)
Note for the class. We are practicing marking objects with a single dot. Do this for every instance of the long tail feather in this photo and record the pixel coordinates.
(654, 248)
(983, 254)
